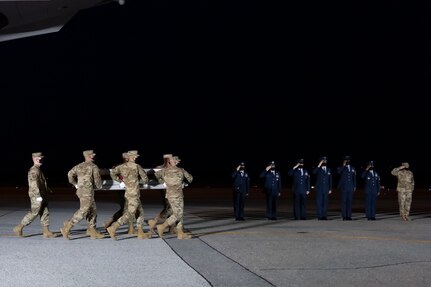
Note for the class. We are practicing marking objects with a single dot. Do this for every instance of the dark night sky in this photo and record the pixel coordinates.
(221, 81)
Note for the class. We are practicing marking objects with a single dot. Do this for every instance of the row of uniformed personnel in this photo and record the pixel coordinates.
(323, 186)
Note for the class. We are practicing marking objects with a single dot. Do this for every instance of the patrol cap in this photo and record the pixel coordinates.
(324, 158)
(167, 155)
(37, 154)
(301, 160)
(89, 152)
(133, 153)
(271, 163)
(347, 157)
(371, 162)
(241, 163)
(406, 164)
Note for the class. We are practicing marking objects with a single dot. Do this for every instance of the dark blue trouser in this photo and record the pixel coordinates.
(271, 205)
(299, 205)
(370, 204)
(238, 204)
(321, 204)
(346, 203)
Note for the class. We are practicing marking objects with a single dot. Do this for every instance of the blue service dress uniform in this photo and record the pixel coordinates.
(346, 186)
(241, 187)
(272, 189)
(322, 185)
(371, 189)
(300, 187)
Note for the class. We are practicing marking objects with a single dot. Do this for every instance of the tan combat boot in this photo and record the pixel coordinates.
(93, 233)
(65, 230)
(131, 230)
(152, 223)
(161, 228)
(112, 229)
(183, 235)
(18, 230)
(142, 234)
(46, 233)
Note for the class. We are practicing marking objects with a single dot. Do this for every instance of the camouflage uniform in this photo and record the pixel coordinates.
(174, 178)
(166, 210)
(122, 201)
(85, 177)
(131, 174)
(37, 192)
(405, 186)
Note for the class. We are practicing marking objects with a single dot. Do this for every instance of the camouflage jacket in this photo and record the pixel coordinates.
(86, 175)
(406, 181)
(37, 185)
(173, 177)
(130, 173)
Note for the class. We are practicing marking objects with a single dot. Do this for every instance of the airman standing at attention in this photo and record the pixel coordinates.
(37, 191)
(405, 187)
(84, 177)
(371, 190)
(241, 188)
(300, 188)
(272, 189)
(174, 178)
(323, 186)
(130, 174)
(347, 187)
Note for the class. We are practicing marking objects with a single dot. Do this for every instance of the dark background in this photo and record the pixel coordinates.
(216, 82)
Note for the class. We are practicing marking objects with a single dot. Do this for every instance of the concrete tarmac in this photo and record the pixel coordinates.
(222, 252)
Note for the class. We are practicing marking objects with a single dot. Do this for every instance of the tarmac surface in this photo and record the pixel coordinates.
(222, 252)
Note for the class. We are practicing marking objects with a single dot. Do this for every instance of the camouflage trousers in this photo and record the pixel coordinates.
(177, 206)
(87, 209)
(166, 211)
(123, 207)
(404, 202)
(37, 209)
(133, 210)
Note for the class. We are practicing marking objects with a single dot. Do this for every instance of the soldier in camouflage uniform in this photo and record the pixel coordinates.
(166, 210)
(37, 191)
(174, 178)
(84, 177)
(405, 186)
(130, 174)
(123, 206)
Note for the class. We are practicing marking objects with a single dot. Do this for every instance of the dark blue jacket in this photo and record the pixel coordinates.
(323, 179)
(347, 181)
(372, 182)
(301, 182)
(272, 182)
(241, 183)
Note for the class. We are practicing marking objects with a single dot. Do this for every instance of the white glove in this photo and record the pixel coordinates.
(76, 186)
(122, 184)
(164, 184)
(39, 199)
